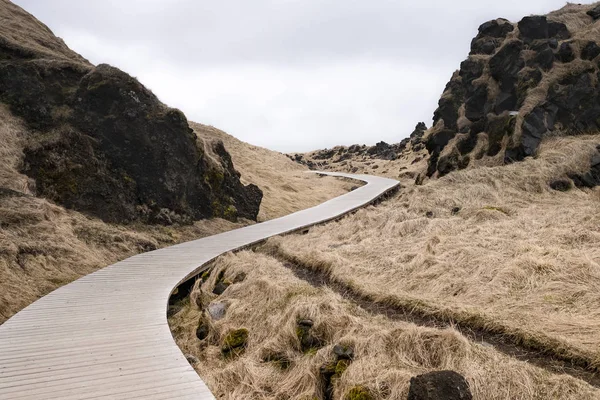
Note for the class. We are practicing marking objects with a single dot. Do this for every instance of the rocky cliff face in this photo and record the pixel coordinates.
(103, 144)
(520, 82)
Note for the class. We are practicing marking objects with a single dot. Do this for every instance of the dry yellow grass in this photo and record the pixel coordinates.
(518, 257)
(285, 184)
(270, 301)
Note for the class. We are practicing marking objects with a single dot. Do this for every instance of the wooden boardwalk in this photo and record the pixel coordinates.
(106, 335)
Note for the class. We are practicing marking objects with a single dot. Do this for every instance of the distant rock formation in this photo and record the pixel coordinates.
(381, 150)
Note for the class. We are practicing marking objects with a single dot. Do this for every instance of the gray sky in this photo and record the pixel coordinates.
(290, 75)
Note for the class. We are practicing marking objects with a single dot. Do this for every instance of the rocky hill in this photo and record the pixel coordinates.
(521, 82)
(102, 143)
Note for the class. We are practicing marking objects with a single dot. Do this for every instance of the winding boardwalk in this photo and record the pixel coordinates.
(106, 335)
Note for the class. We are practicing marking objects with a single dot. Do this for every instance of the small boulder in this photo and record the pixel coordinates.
(544, 58)
(561, 185)
(533, 27)
(217, 310)
(439, 385)
(483, 46)
(496, 28)
(203, 330)
(343, 352)
(565, 53)
(220, 287)
(470, 70)
(558, 30)
(590, 51)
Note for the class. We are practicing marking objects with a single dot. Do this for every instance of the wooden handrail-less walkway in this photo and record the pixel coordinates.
(106, 335)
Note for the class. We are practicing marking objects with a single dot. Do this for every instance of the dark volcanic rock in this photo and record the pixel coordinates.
(203, 330)
(447, 111)
(594, 12)
(343, 352)
(417, 135)
(533, 27)
(565, 53)
(483, 46)
(519, 67)
(544, 57)
(475, 105)
(497, 28)
(383, 150)
(470, 70)
(538, 27)
(534, 127)
(434, 146)
(561, 185)
(506, 64)
(590, 51)
(439, 385)
(506, 101)
(575, 99)
(558, 30)
(116, 152)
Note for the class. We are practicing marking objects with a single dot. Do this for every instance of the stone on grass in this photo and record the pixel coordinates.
(439, 385)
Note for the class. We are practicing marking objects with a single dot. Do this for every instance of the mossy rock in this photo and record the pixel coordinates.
(235, 342)
(359, 393)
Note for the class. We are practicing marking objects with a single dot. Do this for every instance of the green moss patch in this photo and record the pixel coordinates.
(235, 342)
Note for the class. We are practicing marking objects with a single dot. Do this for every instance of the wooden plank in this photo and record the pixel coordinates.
(106, 335)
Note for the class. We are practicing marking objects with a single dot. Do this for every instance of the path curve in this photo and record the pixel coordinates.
(106, 335)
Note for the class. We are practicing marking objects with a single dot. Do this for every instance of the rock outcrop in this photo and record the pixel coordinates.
(520, 82)
(103, 144)
(381, 150)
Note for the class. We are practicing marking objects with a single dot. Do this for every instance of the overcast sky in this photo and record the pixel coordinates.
(290, 75)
